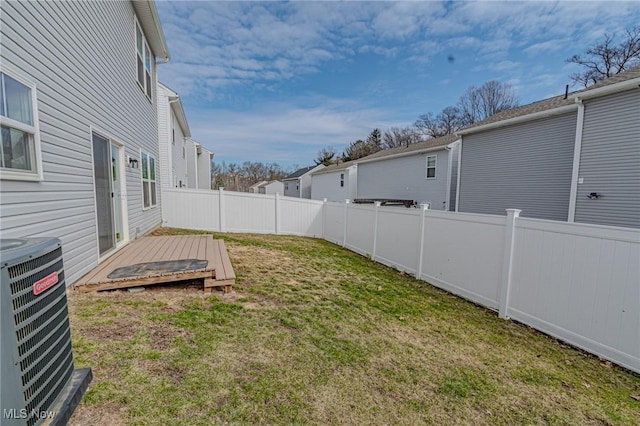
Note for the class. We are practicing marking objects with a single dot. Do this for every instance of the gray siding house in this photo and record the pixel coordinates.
(337, 182)
(298, 183)
(173, 132)
(422, 172)
(568, 158)
(79, 157)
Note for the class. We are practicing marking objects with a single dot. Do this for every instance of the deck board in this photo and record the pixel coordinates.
(218, 272)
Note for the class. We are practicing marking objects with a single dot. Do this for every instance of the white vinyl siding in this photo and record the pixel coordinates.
(55, 45)
(20, 157)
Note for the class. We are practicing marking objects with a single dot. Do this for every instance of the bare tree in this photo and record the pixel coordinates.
(395, 137)
(481, 102)
(326, 156)
(445, 123)
(606, 58)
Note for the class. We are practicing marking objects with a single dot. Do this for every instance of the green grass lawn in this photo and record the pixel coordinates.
(318, 334)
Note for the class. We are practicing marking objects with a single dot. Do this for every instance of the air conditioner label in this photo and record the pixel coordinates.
(45, 283)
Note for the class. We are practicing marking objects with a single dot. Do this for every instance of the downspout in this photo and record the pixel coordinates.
(448, 186)
(459, 169)
(573, 195)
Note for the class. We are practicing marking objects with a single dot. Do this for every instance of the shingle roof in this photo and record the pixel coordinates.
(299, 172)
(335, 167)
(429, 143)
(556, 101)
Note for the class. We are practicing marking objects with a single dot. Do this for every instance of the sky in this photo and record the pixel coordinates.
(276, 82)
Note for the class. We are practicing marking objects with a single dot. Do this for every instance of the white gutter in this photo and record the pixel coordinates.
(520, 119)
(404, 154)
(459, 174)
(448, 184)
(606, 90)
(577, 147)
(156, 21)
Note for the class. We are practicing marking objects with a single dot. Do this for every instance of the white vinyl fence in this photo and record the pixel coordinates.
(577, 282)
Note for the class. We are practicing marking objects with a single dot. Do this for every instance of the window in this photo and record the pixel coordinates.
(143, 61)
(173, 136)
(341, 180)
(431, 167)
(286, 186)
(148, 181)
(20, 154)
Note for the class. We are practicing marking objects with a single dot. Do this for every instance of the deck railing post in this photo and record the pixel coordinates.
(423, 215)
(221, 211)
(278, 210)
(375, 230)
(507, 262)
(344, 224)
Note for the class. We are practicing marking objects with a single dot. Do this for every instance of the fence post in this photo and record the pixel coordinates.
(507, 262)
(375, 230)
(278, 210)
(324, 218)
(344, 224)
(221, 206)
(423, 214)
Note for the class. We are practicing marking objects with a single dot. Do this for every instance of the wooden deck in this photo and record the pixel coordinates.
(217, 273)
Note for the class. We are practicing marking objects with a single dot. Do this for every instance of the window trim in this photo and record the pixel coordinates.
(434, 167)
(37, 174)
(143, 180)
(145, 45)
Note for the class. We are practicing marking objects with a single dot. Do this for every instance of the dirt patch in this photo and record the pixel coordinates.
(99, 414)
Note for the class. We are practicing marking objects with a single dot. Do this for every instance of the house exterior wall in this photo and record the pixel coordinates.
(179, 154)
(291, 188)
(272, 188)
(204, 169)
(81, 56)
(405, 178)
(192, 164)
(327, 185)
(165, 126)
(525, 166)
(610, 161)
(305, 186)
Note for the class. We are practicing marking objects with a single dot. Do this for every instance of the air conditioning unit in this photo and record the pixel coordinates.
(39, 384)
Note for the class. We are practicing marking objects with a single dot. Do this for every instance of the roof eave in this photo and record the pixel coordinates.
(607, 90)
(178, 110)
(147, 14)
(521, 119)
(406, 154)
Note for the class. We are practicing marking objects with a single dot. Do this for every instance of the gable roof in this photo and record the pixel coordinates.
(150, 22)
(299, 173)
(258, 184)
(557, 104)
(415, 148)
(178, 110)
(342, 165)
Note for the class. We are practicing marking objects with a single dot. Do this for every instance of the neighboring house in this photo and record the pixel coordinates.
(79, 157)
(256, 186)
(272, 187)
(184, 163)
(425, 172)
(337, 182)
(568, 158)
(298, 183)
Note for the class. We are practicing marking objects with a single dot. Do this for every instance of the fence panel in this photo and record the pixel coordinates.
(191, 209)
(334, 222)
(250, 212)
(398, 239)
(580, 283)
(360, 228)
(300, 217)
(463, 253)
